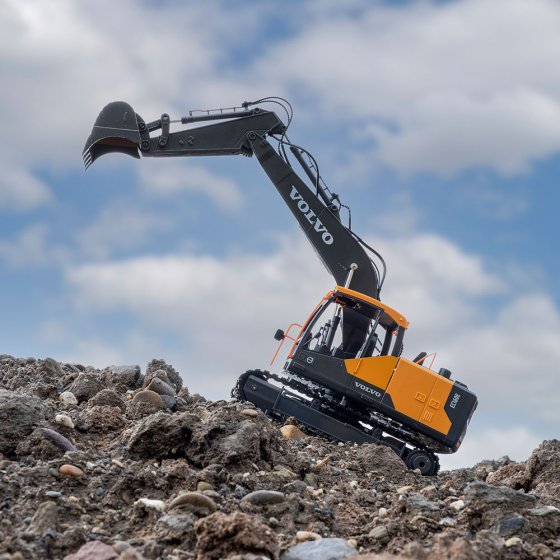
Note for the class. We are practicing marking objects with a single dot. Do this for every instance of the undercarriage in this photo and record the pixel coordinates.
(326, 414)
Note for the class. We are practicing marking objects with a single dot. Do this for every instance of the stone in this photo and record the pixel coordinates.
(160, 435)
(292, 432)
(264, 497)
(250, 412)
(64, 420)
(127, 376)
(161, 387)
(150, 397)
(323, 549)
(19, 414)
(379, 533)
(542, 511)
(107, 397)
(59, 440)
(45, 518)
(158, 505)
(513, 541)
(457, 505)
(194, 501)
(87, 385)
(93, 550)
(158, 367)
(67, 397)
(70, 470)
(303, 536)
(509, 527)
(417, 502)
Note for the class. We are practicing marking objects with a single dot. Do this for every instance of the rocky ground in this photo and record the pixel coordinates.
(116, 463)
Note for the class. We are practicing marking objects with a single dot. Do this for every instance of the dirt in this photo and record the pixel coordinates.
(132, 466)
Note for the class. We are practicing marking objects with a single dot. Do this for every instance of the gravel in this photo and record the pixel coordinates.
(110, 475)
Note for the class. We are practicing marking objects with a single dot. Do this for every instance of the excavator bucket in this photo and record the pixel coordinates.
(115, 130)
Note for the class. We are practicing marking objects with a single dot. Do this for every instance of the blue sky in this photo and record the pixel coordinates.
(437, 122)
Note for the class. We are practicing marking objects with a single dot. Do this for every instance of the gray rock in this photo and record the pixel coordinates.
(297, 487)
(169, 402)
(159, 365)
(52, 370)
(19, 414)
(125, 375)
(324, 549)
(509, 527)
(161, 387)
(87, 385)
(45, 518)
(264, 497)
(478, 494)
(161, 435)
(417, 502)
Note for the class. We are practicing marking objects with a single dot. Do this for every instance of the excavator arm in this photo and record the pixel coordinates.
(246, 131)
(119, 129)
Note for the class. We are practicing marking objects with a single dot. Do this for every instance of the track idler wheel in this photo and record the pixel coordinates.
(425, 461)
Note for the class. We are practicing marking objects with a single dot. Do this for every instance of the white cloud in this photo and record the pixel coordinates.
(31, 247)
(119, 226)
(438, 87)
(19, 189)
(62, 61)
(170, 178)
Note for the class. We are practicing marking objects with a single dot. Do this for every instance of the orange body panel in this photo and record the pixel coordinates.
(420, 394)
(374, 370)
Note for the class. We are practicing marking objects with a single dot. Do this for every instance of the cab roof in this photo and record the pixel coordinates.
(389, 316)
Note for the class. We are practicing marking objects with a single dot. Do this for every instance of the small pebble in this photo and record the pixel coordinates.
(353, 542)
(68, 398)
(70, 470)
(53, 494)
(202, 486)
(117, 463)
(64, 420)
(378, 533)
(382, 512)
(447, 522)
(196, 500)
(403, 489)
(160, 387)
(291, 432)
(58, 439)
(302, 536)
(353, 484)
(252, 413)
(158, 505)
(457, 505)
(264, 497)
(513, 541)
(545, 510)
(148, 396)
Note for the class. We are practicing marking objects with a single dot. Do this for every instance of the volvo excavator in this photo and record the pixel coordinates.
(344, 377)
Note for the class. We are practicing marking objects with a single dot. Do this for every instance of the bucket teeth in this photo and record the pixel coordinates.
(87, 158)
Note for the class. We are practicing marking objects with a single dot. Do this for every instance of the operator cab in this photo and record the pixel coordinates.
(348, 324)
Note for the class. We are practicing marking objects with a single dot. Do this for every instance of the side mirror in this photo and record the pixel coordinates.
(279, 335)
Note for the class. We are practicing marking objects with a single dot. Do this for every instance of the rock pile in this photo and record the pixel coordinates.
(117, 463)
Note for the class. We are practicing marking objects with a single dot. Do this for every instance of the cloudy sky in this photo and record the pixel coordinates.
(438, 122)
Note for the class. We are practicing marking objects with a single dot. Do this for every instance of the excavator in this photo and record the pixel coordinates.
(344, 377)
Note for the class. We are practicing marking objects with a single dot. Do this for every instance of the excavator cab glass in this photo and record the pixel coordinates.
(347, 324)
